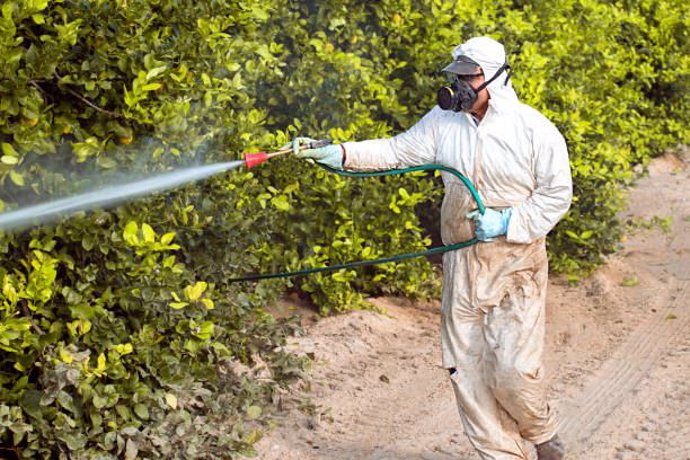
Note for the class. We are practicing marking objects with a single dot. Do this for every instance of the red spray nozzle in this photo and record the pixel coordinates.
(254, 159)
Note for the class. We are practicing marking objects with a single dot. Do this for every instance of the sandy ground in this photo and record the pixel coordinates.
(618, 359)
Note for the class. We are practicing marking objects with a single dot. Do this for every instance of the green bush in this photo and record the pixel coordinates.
(119, 331)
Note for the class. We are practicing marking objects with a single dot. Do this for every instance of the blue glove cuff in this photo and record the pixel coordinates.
(332, 156)
(506, 214)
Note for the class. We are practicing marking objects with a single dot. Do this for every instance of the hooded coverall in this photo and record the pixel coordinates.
(493, 306)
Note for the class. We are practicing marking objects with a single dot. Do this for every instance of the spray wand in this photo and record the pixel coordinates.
(255, 159)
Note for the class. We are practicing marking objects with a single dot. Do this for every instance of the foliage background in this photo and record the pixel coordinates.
(119, 332)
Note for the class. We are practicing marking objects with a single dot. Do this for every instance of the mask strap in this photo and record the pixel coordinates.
(498, 72)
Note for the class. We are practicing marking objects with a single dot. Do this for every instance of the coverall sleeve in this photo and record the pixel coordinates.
(551, 198)
(415, 146)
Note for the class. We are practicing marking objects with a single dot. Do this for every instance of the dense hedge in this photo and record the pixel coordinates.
(119, 331)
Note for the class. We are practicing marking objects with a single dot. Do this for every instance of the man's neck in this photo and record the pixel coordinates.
(481, 111)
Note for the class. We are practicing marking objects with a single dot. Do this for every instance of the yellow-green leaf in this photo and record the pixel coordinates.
(151, 86)
(252, 437)
(630, 281)
(9, 160)
(171, 400)
(17, 178)
(148, 232)
(167, 238)
(194, 292)
(281, 203)
(204, 331)
(208, 303)
(66, 356)
(131, 233)
(100, 364)
(7, 149)
(123, 349)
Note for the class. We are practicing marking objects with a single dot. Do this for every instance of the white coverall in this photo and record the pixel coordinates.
(492, 322)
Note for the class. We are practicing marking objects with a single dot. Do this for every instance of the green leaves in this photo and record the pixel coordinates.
(203, 331)
(14, 334)
(9, 160)
(142, 85)
(68, 32)
(8, 10)
(281, 203)
(41, 280)
(195, 291)
(10, 157)
(131, 233)
(146, 240)
(9, 154)
(91, 147)
(141, 411)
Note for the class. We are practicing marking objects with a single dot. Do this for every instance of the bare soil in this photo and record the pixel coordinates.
(618, 358)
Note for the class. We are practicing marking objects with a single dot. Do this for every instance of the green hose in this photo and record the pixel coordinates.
(409, 255)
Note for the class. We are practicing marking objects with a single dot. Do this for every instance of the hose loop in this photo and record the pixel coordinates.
(410, 255)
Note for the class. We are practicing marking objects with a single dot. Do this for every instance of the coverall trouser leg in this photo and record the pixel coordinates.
(496, 349)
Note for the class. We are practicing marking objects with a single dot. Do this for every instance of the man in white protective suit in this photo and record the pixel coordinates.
(493, 308)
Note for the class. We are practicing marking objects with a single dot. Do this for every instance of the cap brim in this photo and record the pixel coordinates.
(462, 67)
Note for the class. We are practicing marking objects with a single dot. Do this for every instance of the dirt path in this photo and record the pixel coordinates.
(618, 359)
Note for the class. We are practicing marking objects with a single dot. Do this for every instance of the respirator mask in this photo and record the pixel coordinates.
(460, 96)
